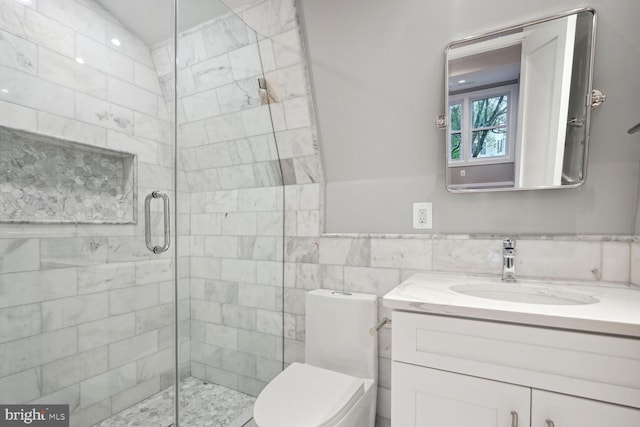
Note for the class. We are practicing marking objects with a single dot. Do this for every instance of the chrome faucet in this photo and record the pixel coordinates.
(508, 260)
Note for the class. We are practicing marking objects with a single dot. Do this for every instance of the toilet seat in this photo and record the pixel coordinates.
(307, 396)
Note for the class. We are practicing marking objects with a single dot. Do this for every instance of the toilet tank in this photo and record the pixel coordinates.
(337, 332)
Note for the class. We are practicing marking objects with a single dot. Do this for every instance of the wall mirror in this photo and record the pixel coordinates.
(518, 105)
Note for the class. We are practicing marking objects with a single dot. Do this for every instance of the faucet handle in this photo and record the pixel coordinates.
(508, 243)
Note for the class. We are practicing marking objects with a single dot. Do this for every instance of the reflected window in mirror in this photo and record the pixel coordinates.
(482, 126)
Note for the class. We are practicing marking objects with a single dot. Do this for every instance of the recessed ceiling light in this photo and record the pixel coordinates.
(79, 60)
(115, 42)
(462, 81)
(4, 90)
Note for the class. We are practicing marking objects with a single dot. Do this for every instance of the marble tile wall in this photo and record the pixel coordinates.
(232, 175)
(85, 310)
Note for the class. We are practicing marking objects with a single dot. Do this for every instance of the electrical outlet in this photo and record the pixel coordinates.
(422, 215)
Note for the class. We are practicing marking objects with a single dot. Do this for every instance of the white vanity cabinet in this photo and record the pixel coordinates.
(454, 372)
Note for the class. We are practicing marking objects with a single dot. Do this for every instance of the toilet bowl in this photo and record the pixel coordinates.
(337, 384)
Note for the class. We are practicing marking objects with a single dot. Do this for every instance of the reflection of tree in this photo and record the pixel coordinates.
(456, 123)
(487, 113)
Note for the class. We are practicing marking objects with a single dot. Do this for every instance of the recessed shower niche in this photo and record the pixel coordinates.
(44, 179)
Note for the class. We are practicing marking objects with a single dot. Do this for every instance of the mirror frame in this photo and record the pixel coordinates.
(444, 120)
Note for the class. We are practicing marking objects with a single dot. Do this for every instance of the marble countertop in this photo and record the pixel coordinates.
(616, 312)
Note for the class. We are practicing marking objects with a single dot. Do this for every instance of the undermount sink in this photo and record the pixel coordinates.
(514, 292)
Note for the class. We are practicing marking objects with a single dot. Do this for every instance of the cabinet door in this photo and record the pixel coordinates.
(570, 411)
(424, 397)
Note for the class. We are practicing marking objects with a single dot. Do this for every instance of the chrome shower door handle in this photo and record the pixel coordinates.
(147, 224)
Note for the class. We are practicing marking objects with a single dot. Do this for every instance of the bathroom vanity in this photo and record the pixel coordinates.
(473, 351)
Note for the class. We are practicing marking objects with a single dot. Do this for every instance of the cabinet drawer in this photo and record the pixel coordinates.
(588, 365)
(429, 397)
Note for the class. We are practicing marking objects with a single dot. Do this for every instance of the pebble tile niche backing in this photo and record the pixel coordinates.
(51, 180)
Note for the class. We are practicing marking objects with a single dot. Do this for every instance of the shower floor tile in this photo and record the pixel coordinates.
(202, 404)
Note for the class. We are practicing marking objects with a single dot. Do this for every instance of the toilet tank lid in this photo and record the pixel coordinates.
(344, 294)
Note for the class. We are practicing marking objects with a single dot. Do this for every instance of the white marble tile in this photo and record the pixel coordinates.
(302, 197)
(402, 253)
(207, 311)
(286, 83)
(616, 258)
(17, 116)
(213, 155)
(269, 273)
(206, 224)
(296, 143)
(153, 128)
(191, 49)
(235, 177)
(468, 256)
(221, 335)
(15, 52)
(72, 311)
(259, 199)
(238, 270)
(212, 73)
(70, 13)
(132, 299)
(133, 348)
(54, 125)
(131, 96)
(152, 271)
(154, 365)
(104, 59)
(257, 121)
(263, 345)
(102, 113)
(66, 71)
(71, 370)
(103, 277)
(25, 353)
(287, 48)
(263, 147)
(103, 386)
(223, 35)
(19, 255)
(221, 201)
(271, 17)
(37, 286)
(239, 317)
(146, 77)
(377, 281)
(46, 32)
(302, 249)
(130, 44)
(270, 224)
(201, 105)
(355, 252)
(55, 253)
(221, 246)
(245, 62)
(308, 170)
(308, 223)
(239, 224)
(162, 59)
(146, 150)
(225, 127)
(20, 388)
(297, 112)
(239, 95)
(19, 322)
(559, 259)
(29, 91)
(205, 267)
(99, 333)
(267, 55)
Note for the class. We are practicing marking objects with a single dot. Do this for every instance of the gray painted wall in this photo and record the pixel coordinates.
(377, 69)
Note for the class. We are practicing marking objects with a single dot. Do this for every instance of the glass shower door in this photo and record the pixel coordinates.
(86, 309)
(231, 217)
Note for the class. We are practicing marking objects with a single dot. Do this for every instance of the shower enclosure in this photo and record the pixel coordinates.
(141, 211)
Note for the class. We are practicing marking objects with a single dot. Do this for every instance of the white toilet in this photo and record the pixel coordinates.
(337, 385)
